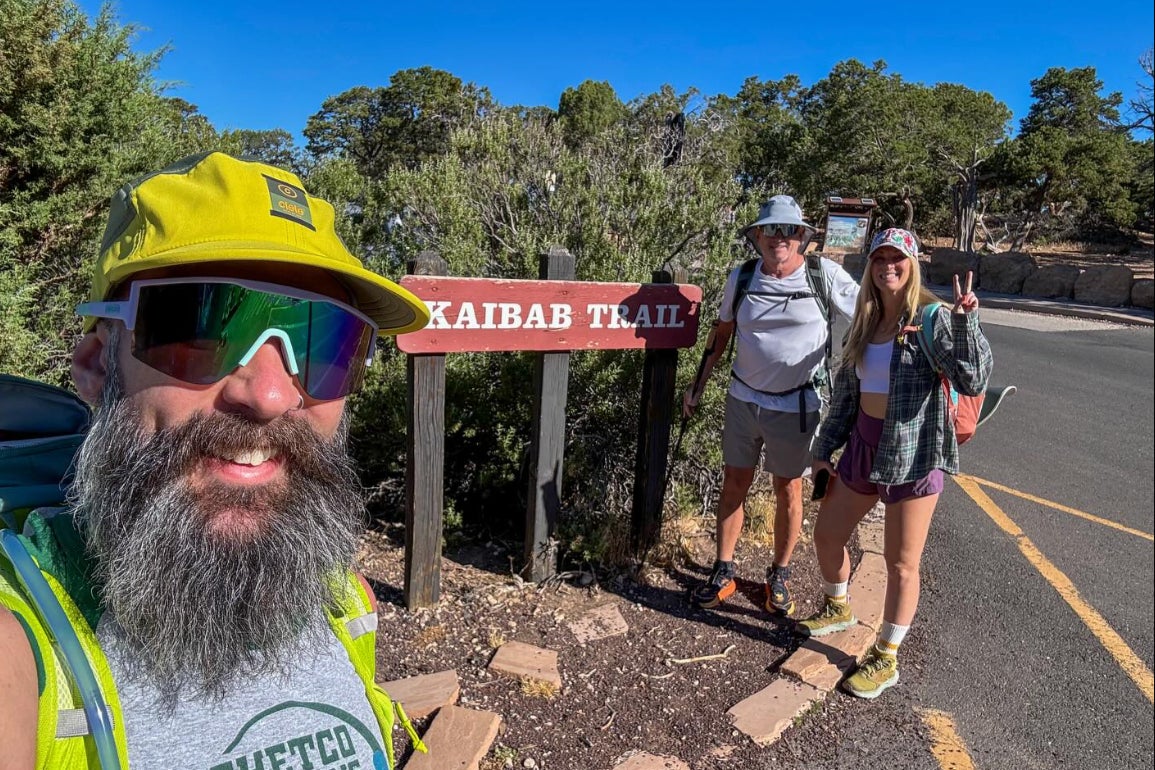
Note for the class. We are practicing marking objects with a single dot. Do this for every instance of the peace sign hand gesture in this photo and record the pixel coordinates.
(965, 301)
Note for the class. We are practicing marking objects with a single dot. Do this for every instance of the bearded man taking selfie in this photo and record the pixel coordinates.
(193, 605)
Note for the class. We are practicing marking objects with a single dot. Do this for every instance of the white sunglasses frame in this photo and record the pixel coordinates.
(125, 311)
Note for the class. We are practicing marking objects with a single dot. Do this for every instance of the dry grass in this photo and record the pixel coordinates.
(429, 636)
(500, 757)
(538, 688)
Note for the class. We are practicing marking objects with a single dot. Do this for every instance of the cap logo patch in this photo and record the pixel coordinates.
(289, 202)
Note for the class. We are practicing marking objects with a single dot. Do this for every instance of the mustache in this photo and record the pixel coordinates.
(224, 434)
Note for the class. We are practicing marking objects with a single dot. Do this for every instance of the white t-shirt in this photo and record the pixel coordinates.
(781, 337)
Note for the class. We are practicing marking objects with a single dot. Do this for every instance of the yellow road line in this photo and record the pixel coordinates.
(1123, 655)
(946, 745)
(1061, 507)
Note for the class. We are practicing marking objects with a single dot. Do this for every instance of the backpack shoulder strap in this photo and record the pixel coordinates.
(819, 285)
(74, 677)
(926, 332)
(741, 289)
(745, 276)
(355, 625)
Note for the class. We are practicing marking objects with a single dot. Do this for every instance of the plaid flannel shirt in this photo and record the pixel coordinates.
(917, 434)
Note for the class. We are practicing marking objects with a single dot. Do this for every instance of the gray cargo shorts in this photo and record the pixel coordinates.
(750, 429)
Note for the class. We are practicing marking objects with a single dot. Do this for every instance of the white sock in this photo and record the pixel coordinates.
(890, 637)
(836, 591)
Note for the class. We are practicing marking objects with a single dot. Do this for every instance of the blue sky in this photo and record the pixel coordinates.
(262, 65)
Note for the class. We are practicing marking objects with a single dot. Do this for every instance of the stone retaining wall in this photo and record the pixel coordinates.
(1019, 273)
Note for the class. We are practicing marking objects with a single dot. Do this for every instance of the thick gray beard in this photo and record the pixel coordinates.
(199, 608)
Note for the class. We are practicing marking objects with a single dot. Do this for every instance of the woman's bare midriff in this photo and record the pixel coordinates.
(874, 404)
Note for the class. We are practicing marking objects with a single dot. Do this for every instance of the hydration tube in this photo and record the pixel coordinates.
(52, 615)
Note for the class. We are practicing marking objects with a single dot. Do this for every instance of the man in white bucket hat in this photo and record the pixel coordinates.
(780, 304)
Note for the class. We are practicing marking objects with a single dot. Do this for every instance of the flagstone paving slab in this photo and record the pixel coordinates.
(421, 695)
(871, 536)
(868, 589)
(767, 713)
(458, 739)
(599, 623)
(519, 659)
(823, 661)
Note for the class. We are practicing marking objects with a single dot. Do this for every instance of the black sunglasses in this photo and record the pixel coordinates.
(786, 231)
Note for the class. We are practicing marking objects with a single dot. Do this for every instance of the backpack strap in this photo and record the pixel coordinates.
(745, 276)
(925, 337)
(741, 289)
(926, 333)
(355, 625)
(69, 661)
(820, 286)
(812, 384)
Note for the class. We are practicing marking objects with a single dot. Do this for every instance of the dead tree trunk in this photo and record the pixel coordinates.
(965, 202)
(1039, 200)
(907, 211)
(966, 206)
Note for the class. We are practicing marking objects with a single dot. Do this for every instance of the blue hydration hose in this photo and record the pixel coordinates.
(52, 615)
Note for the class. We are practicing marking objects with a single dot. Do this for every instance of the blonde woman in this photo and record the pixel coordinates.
(890, 413)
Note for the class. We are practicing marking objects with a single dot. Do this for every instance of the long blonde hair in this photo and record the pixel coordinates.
(868, 311)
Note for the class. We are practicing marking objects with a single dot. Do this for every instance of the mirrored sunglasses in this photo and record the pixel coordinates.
(784, 231)
(198, 330)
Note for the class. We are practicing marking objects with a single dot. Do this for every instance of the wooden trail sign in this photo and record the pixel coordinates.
(490, 315)
(549, 317)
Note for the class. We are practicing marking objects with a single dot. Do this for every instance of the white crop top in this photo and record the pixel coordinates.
(874, 371)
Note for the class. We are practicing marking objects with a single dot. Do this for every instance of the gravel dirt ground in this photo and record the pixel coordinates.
(619, 694)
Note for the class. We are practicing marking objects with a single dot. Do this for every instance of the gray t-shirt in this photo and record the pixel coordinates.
(781, 341)
(316, 716)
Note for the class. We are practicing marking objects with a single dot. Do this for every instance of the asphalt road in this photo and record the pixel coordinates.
(995, 646)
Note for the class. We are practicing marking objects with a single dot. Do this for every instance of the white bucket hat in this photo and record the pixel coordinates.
(779, 210)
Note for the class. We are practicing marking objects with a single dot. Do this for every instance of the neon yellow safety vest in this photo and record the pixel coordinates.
(63, 741)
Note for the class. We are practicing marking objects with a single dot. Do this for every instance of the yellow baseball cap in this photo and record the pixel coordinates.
(213, 207)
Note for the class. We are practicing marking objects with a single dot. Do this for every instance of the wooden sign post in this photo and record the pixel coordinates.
(547, 445)
(425, 466)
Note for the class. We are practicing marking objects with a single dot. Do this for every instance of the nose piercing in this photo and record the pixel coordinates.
(300, 403)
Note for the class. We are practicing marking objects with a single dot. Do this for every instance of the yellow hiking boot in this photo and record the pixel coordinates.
(879, 670)
(834, 616)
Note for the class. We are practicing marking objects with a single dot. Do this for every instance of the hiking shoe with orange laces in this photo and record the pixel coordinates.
(879, 670)
(717, 588)
(778, 599)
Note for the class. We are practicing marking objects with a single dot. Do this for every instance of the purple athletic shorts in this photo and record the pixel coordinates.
(858, 460)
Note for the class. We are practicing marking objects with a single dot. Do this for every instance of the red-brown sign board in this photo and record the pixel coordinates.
(483, 314)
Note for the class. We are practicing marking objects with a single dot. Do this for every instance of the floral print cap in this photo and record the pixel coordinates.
(897, 238)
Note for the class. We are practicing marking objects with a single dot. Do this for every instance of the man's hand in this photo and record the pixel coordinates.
(690, 400)
(965, 301)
